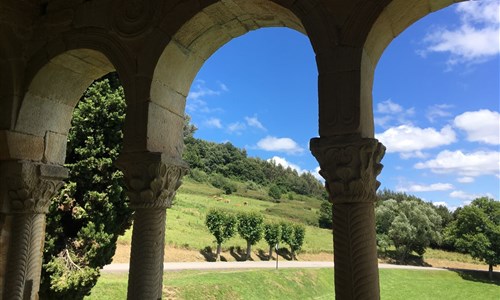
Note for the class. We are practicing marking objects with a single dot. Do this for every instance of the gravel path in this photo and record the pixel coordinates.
(123, 268)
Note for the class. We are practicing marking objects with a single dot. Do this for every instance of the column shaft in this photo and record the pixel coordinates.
(26, 190)
(146, 259)
(355, 251)
(151, 179)
(350, 165)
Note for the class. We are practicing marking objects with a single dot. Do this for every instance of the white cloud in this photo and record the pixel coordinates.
(196, 99)
(316, 174)
(481, 126)
(468, 196)
(440, 203)
(286, 145)
(285, 164)
(214, 123)
(438, 111)
(475, 40)
(430, 188)
(389, 107)
(388, 111)
(410, 140)
(236, 127)
(464, 164)
(465, 179)
(254, 122)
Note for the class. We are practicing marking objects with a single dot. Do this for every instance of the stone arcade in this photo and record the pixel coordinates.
(51, 50)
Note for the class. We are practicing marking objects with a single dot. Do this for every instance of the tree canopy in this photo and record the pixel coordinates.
(476, 231)
(91, 211)
(408, 225)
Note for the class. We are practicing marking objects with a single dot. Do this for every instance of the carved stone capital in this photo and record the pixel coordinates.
(350, 165)
(151, 178)
(30, 186)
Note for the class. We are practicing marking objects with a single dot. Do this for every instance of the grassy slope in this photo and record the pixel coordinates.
(186, 227)
(306, 284)
(186, 219)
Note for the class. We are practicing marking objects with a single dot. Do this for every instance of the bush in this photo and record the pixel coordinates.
(274, 192)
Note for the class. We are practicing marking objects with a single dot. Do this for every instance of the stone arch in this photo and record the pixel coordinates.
(195, 41)
(394, 19)
(44, 116)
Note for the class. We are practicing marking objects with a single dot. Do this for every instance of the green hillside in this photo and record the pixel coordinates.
(186, 219)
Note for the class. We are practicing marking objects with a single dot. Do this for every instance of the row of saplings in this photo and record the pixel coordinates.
(251, 227)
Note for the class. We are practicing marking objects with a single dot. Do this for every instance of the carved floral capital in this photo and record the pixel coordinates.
(350, 166)
(31, 186)
(151, 178)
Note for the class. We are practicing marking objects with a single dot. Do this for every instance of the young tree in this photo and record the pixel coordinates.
(250, 229)
(222, 224)
(325, 215)
(272, 235)
(299, 234)
(293, 235)
(91, 211)
(274, 192)
(476, 231)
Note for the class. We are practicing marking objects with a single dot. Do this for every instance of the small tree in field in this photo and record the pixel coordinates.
(293, 235)
(222, 225)
(250, 229)
(272, 235)
(299, 233)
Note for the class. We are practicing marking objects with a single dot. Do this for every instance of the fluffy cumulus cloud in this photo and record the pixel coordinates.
(410, 140)
(429, 188)
(475, 40)
(464, 164)
(287, 145)
(480, 126)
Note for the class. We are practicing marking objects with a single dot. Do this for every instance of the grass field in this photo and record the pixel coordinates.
(186, 219)
(307, 284)
(186, 222)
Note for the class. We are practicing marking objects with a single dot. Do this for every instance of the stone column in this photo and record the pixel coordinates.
(350, 165)
(151, 179)
(26, 191)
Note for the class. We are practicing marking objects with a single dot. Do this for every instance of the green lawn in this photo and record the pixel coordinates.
(307, 284)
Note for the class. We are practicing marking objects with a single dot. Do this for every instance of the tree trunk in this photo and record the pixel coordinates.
(217, 254)
(249, 251)
(270, 253)
(293, 255)
(490, 272)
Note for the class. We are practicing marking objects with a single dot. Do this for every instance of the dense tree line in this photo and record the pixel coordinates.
(208, 159)
(410, 225)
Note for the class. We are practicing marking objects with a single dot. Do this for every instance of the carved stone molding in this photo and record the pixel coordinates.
(350, 165)
(151, 178)
(30, 186)
(131, 18)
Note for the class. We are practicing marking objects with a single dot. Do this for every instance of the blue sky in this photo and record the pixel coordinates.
(436, 101)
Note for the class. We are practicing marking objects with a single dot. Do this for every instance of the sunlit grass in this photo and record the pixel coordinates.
(306, 284)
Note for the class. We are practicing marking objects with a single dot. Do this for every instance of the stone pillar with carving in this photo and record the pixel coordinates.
(350, 165)
(152, 180)
(26, 189)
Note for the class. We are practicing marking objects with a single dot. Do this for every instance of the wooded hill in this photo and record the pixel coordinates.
(218, 164)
